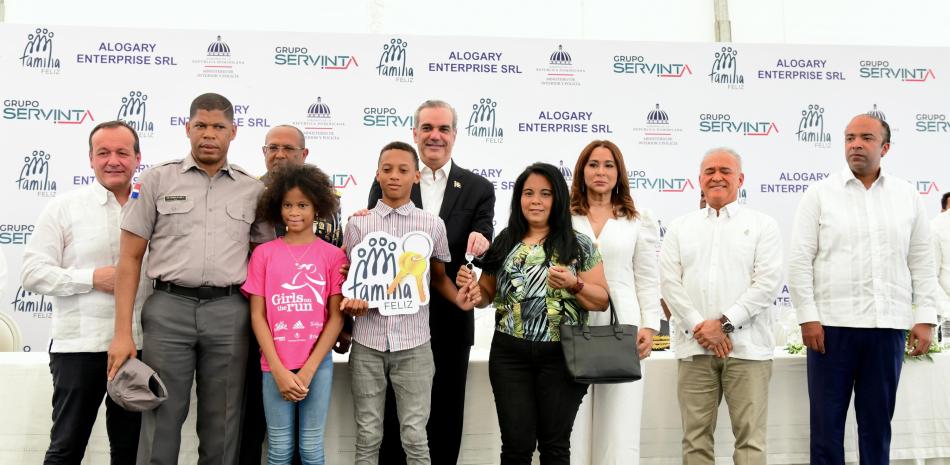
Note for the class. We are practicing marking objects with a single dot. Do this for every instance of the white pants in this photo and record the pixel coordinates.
(607, 428)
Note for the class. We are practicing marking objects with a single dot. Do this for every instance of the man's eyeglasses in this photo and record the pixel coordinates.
(273, 149)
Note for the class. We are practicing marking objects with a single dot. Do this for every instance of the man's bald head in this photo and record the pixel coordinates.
(284, 144)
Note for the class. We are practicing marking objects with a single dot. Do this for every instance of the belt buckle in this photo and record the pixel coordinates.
(205, 292)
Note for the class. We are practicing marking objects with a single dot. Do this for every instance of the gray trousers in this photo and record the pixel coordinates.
(410, 372)
(189, 339)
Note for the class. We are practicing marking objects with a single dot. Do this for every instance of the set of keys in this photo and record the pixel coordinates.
(411, 263)
(414, 264)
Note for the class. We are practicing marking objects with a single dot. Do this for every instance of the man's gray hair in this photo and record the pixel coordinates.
(716, 150)
(436, 104)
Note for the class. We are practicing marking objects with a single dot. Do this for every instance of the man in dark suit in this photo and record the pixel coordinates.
(466, 202)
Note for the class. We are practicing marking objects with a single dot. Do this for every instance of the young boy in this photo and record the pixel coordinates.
(396, 344)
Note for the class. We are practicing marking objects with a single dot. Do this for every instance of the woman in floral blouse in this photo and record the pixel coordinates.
(538, 274)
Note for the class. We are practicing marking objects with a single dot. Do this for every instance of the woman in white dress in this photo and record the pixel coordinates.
(602, 208)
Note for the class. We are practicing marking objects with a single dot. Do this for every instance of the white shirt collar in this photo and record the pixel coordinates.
(444, 169)
(730, 209)
(847, 176)
(102, 194)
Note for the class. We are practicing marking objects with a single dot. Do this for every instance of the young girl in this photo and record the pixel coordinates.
(294, 286)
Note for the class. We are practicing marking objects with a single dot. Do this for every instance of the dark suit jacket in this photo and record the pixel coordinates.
(468, 205)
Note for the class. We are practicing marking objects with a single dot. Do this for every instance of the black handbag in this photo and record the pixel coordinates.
(601, 354)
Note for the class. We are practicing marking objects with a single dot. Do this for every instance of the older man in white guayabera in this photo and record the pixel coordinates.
(720, 270)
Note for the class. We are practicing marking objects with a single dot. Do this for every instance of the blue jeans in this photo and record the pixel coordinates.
(313, 418)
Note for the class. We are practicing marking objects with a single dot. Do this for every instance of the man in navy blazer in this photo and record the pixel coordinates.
(466, 203)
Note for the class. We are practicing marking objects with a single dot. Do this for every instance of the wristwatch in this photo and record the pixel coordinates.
(727, 326)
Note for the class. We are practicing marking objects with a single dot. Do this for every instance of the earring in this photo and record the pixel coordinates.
(583, 187)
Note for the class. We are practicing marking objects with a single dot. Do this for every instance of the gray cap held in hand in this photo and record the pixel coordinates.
(136, 387)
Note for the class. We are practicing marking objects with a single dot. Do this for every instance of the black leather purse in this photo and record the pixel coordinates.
(601, 354)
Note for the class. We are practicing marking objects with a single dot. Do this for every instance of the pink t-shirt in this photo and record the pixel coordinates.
(296, 282)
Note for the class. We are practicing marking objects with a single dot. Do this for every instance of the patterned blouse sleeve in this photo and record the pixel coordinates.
(590, 253)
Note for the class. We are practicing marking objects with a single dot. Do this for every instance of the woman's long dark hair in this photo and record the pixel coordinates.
(561, 239)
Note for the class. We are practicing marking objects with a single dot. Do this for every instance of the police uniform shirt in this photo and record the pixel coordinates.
(198, 227)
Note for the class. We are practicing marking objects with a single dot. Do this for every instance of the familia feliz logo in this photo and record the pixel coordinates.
(882, 69)
(132, 111)
(392, 62)
(725, 69)
(217, 62)
(30, 110)
(811, 127)
(38, 52)
(482, 121)
(32, 304)
(394, 285)
(560, 69)
(34, 175)
(722, 123)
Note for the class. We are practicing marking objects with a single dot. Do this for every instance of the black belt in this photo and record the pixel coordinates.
(200, 293)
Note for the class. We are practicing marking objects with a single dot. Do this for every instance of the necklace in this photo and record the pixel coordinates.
(297, 259)
(533, 243)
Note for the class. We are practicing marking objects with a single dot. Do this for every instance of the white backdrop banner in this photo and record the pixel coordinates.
(782, 107)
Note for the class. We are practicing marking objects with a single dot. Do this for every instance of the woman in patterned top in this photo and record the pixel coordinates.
(538, 274)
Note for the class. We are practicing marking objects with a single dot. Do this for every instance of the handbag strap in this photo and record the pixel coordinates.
(614, 321)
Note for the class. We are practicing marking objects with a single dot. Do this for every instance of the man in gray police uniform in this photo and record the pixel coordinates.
(197, 217)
